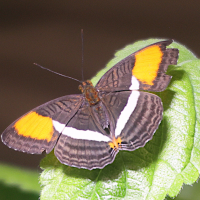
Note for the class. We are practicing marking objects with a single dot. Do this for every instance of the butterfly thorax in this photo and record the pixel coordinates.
(92, 97)
(90, 92)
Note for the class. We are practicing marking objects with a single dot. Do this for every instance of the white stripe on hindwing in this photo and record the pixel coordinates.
(80, 134)
(134, 84)
(126, 112)
(58, 126)
(96, 136)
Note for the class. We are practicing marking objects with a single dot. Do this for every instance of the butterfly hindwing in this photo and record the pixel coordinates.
(136, 115)
(84, 143)
(34, 132)
(142, 123)
(143, 70)
(83, 153)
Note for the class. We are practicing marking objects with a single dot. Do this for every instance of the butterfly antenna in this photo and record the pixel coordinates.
(56, 72)
(82, 54)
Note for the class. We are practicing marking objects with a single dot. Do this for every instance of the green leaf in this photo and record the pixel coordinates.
(170, 159)
(17, 183)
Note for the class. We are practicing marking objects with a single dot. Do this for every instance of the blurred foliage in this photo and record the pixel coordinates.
(11, 185)
(18, 183)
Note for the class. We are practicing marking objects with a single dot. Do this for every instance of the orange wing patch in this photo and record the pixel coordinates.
(147, 64)
(35, 126)
(115, 143)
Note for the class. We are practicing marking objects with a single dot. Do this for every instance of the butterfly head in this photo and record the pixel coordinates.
(90, 92)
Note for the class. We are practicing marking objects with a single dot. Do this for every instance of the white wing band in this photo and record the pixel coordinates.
(126, 112)
(80, 134)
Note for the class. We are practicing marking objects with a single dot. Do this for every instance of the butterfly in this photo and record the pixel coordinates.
(87, 130)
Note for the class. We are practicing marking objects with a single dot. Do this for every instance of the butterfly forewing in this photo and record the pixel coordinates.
(142, 70)
(35, 131)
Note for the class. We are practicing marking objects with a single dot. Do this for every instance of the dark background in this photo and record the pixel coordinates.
(48, 32)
